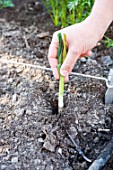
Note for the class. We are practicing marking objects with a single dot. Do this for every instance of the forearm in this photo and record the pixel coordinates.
(101, 16)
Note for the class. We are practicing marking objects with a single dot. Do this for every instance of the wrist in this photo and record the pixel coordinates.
(101, 17)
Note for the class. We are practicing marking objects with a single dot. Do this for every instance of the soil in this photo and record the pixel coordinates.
(32, 133)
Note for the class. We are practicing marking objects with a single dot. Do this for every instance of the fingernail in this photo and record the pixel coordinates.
(64, 73)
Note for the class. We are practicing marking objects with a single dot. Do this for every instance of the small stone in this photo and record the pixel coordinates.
(106, 60)
(10, 80)
(14, 160)
(19, 70)
(40, 140)
(83, 60)
(28, 112)
(47, 145)
(76, 121)
(96, 140)
(60, 151)
(14, 98)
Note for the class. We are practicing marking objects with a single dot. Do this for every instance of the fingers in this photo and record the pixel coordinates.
(52, 56)
(69, 62)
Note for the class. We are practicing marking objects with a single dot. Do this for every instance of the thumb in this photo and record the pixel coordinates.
(69, 62)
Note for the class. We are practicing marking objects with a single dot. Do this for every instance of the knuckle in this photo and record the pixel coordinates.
(68, 67)
(75, 51)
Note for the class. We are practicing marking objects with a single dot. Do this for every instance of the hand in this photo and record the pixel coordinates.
(81, 38)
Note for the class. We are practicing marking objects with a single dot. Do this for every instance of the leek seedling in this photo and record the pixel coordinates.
(61, 58)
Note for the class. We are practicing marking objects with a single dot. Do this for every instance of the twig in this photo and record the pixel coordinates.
(78, 147)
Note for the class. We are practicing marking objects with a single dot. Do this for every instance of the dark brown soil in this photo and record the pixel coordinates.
(32, 133)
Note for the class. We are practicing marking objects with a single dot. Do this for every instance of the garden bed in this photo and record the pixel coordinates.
(32, 133)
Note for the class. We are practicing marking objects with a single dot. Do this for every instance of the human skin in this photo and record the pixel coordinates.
(81, 37)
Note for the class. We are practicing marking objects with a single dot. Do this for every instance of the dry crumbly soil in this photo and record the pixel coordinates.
(32, 133)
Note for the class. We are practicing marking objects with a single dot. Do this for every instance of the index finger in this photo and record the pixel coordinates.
(52, 56)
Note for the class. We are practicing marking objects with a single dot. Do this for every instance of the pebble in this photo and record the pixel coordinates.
(10, 80)
(47, 145)
(83, 60)
(40, 140)
(14, 160)
(19, 70)
(60, 151)
(96, 140)
(106, 60)
(29, 112)
(14, 98)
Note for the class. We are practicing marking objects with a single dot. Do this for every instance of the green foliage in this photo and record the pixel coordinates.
(66, 12)
(108, 42)
(6, 3)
